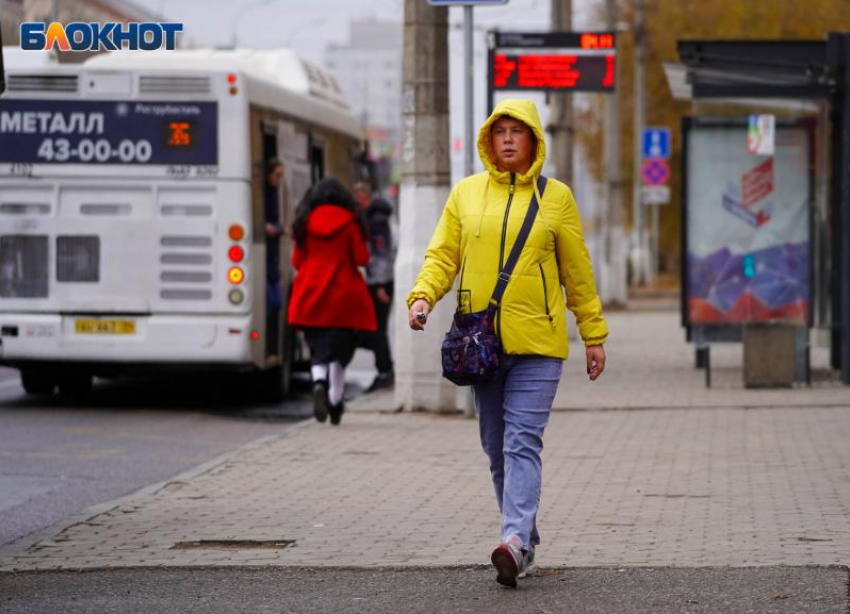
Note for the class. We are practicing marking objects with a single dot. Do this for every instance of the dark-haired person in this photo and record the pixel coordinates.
(379, 279)
(274, 171)
(330, 301)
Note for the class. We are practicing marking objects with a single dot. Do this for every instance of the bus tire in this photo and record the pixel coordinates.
(75, 385)
(271, 384)
(37, 383)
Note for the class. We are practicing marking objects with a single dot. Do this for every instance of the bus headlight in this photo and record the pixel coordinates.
(236, 296)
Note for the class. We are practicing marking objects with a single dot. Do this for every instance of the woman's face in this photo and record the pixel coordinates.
(276, 176)
(513, 145)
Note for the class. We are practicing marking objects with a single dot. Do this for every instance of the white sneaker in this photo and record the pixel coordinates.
(528, 562)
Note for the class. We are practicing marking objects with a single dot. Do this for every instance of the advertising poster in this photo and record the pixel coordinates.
(748, 237)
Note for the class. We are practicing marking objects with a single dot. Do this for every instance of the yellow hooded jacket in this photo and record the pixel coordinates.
(468, 239)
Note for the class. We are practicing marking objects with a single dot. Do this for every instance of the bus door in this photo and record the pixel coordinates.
(272, 214)
(293, 148)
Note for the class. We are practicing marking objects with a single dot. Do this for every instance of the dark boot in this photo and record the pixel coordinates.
(336, 412)
(382, 380)
(320, 400)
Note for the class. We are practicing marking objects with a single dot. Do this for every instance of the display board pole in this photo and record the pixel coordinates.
(469, 71)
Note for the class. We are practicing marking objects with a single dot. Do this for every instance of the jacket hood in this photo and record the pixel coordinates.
(526, 112)
(327, 220)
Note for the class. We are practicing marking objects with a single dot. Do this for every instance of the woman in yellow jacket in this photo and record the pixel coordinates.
(474, 236)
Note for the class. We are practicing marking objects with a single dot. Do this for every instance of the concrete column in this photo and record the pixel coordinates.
(424, 190)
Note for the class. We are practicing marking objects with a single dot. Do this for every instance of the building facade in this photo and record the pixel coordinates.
(368, 69)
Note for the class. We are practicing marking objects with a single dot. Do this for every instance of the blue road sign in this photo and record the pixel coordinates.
(465, 2)
(656, 143)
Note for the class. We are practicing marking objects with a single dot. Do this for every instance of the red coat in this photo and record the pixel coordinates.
(329, 291)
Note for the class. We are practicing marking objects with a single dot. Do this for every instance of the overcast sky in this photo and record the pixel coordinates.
(308, 26)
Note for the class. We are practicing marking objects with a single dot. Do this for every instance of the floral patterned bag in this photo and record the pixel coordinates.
(472, 349)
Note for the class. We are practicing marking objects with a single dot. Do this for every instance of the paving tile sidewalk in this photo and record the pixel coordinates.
(651, 366)
(684, 484)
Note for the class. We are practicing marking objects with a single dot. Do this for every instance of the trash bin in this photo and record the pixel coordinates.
(773, 353)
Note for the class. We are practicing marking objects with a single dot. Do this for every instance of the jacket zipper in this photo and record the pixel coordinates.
(505, 224)
(498, 322)
(546, 296)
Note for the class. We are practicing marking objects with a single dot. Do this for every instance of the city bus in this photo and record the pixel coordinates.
(132, 210)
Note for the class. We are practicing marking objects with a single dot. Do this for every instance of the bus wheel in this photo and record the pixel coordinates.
(37, 383)
(75, 385)
(272, 385)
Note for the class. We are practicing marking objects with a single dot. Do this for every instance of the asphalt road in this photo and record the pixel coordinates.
(59, 457)
(766, 590)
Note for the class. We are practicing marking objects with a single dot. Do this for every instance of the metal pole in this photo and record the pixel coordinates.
(561, 105)
(653, 270)
(491, 54)
(638, 233)
(469, 64)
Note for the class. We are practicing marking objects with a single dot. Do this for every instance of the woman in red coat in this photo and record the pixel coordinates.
(330, 300)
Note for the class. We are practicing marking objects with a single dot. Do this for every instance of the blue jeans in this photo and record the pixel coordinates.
(513, 412)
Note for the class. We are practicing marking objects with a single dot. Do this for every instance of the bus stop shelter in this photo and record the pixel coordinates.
(803, 71)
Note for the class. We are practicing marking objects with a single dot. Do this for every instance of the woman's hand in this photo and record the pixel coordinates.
(595, 361)
(418, 314)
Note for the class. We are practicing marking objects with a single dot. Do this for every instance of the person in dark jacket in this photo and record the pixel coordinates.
(330, 301)
(273, 230)
(379, 278)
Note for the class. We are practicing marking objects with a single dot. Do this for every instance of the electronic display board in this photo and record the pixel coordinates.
(553, 61)
(108, 132)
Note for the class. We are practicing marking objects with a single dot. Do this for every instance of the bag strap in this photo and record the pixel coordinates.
(460, 284)
(519, 244)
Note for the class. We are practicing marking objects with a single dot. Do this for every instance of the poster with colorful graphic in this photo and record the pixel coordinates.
(748, 238)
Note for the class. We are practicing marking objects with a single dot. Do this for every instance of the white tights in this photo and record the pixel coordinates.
(335, 375)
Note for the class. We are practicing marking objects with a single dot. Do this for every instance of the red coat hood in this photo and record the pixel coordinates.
(327, 220)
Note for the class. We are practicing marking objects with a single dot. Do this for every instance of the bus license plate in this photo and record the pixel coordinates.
(106, 327)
